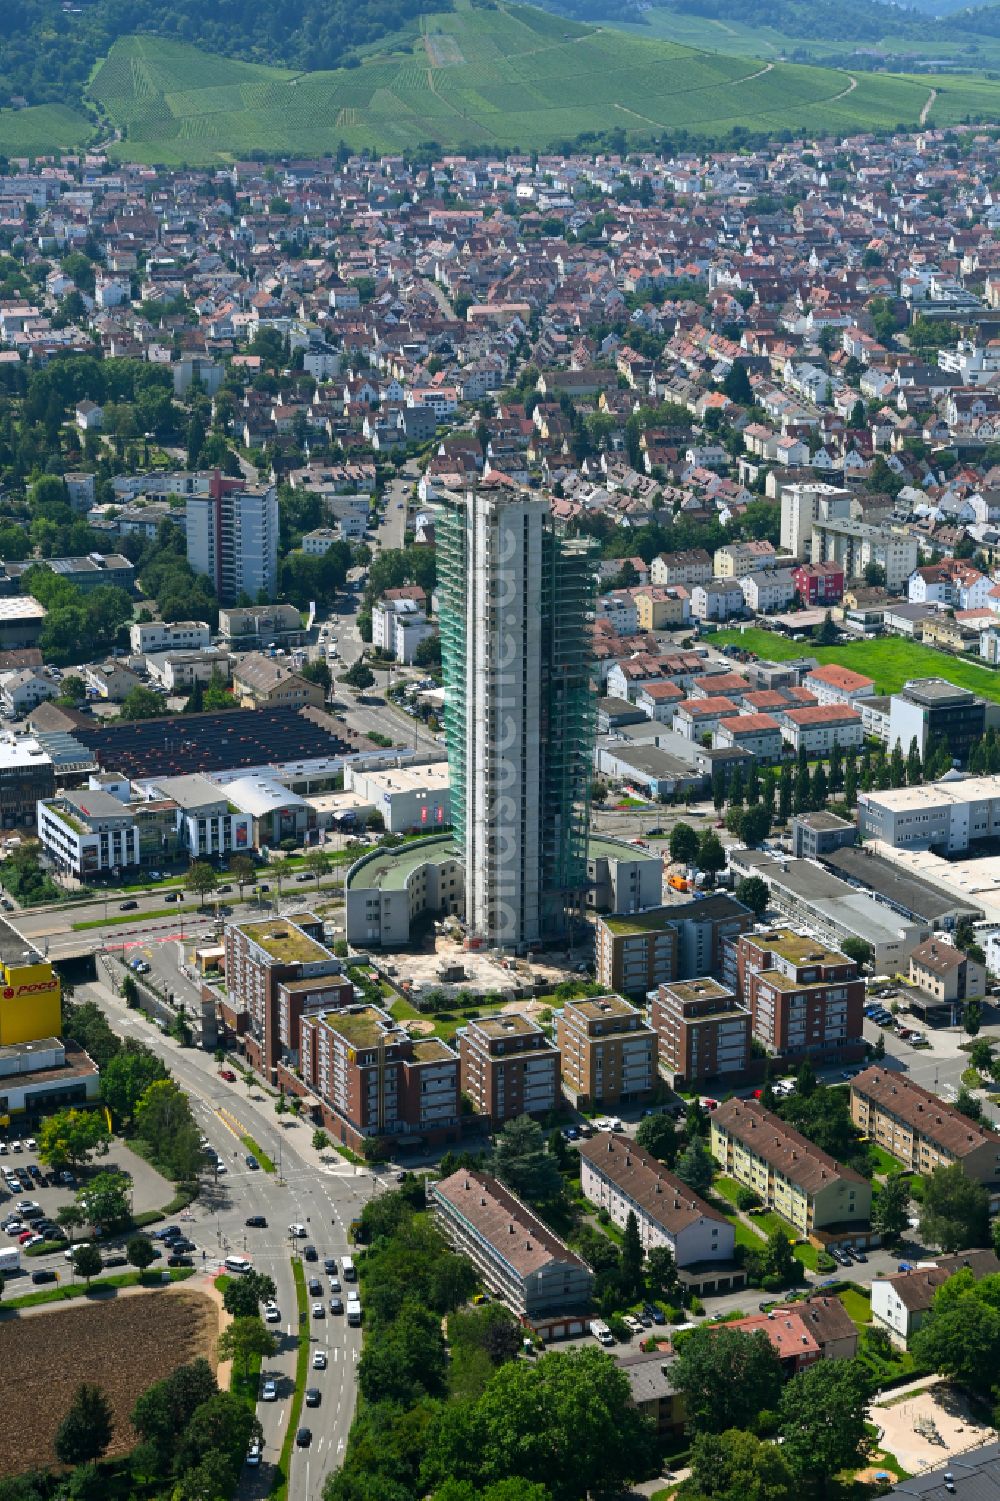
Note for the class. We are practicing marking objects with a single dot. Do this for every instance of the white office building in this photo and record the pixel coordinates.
(946, 816)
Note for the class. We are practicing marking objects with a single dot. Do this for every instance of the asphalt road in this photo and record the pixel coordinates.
(320, 1191)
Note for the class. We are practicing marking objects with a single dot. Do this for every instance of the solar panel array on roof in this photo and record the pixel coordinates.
(231, 739)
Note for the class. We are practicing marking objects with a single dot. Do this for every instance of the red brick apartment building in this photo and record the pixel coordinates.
(373, 1080)
(805, 1000)
(276, 969)
(509, 1067)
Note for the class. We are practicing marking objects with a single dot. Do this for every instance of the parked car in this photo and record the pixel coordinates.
(228, 1075)
(43, 1275)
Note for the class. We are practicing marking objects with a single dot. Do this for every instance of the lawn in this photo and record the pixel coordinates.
(445, 1022)
(505, 77)
(882, 1161)
(858, 1306)
(772, 1224)
(889, 661)
(744, 1235)
(727, 1187)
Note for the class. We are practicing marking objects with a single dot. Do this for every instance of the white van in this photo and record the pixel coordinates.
(238, 1264)
(601, 1332)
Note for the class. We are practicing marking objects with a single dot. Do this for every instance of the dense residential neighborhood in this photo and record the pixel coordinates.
(499, 801)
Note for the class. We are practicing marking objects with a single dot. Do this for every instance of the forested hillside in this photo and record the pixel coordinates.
(47, 54)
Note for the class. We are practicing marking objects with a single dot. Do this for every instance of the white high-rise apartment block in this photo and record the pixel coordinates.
(232, 538)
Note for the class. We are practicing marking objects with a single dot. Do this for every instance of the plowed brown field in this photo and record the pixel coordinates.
(122, 1344)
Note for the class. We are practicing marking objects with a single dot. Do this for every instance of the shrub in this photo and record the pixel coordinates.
(746, 1199)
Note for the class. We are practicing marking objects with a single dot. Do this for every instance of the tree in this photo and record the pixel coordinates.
(955, 1210)
(140, 1251)
(826, 633)
(891, 1208)
(141, 703)
(726, 1377)
(738, 1466)
(165, 1408)
(657, 1135)
(972, 1017)
(359, 675)
(632, 1258)
(71, 1137)
(71, 1217)
(857, 949)
(127, 1076)
(200, 878)
(87, 1261)
(521, 1161)
(85, 1432)
(244, 1295)
(683, 844)
(565, 1421)
(960, 1337)
(823, 1412)
(163, 1120)
(244, 1338)
(661, 1272)
(694, 1167)
(753, 893)
(105, 1199)
(317, 864)
(711, 855)
(222, 1426)
(243, 870)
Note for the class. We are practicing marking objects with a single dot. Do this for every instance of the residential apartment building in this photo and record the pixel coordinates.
(931, 710)
(374, 1080)
(768, 590)
(169, 636)
(820, 728)
(519, 799)
(758, 734)
(901, 1301)
(232, 538)
(522, 1262)
(819, 584)
(261, 682)
(691, 567)
(509, 1067)
(737, 559)
(942, 972)
(634, 954)
(717, 599)
(921, 1130)
(608, 1052)
(855, 546)
(262, 956)
(838, 685)
(703, 1033)
(622, 878)
(945, 816)
(805, 1000)
(807, 1187)
(620, 1177)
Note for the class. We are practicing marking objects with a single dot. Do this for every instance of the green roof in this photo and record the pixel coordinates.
(390, 869)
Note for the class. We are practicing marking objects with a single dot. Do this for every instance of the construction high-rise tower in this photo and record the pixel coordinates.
(519, 712)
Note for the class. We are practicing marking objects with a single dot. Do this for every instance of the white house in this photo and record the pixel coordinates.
(821, 728)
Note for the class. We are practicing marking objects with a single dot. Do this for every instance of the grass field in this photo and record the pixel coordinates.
(123, 1344)
(511, 76)
(889, 662)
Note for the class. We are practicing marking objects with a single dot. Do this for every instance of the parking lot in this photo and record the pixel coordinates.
(24, 1178)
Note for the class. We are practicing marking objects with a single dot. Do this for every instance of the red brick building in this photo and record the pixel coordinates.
(509, 1067)
(804, 999)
